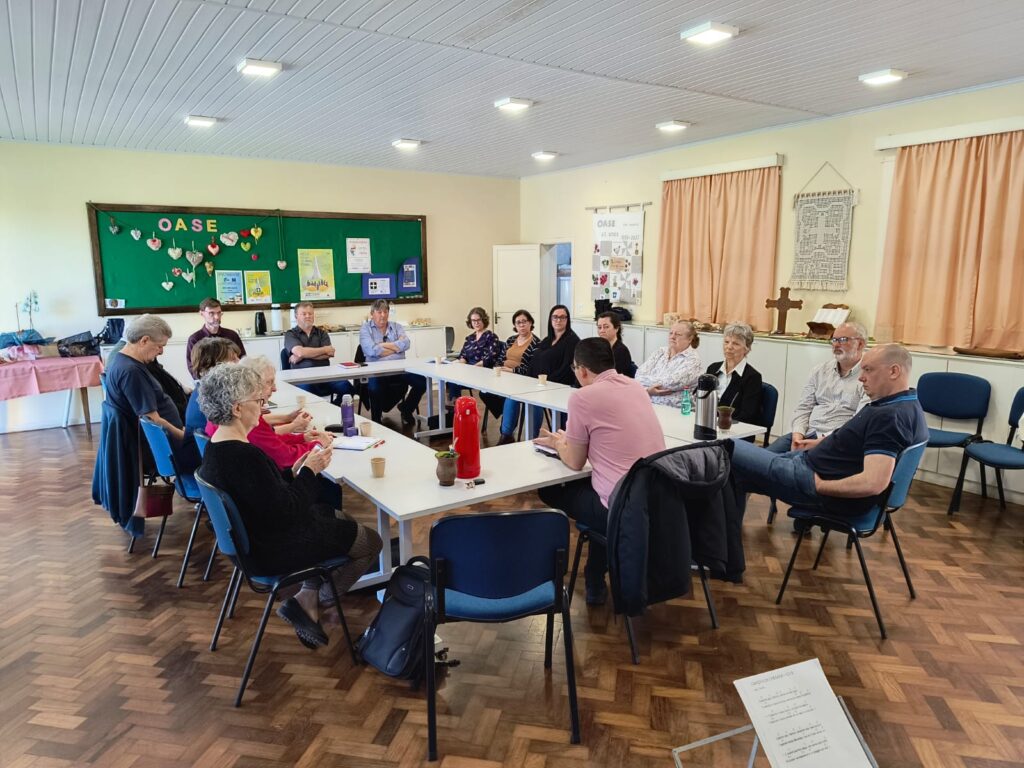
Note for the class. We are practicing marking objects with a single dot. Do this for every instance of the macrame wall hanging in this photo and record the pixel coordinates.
(824, 228)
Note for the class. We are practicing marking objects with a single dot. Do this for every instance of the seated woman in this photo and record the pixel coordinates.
(739, 383)
(609, 328)
(288, 530)
(207, 353)
(554, 358)
(673, 369)
(516, 358)
(482, 347)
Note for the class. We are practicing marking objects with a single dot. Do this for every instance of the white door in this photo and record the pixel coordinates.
(516, 271)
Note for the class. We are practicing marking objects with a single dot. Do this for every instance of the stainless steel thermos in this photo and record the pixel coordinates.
(705, 407)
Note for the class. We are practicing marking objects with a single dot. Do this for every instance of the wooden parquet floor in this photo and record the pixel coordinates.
(104, 663)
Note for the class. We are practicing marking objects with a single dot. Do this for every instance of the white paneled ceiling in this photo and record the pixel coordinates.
(361, 73)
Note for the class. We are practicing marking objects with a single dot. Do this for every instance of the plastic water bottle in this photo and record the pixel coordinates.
(685, 406)
(348, 417)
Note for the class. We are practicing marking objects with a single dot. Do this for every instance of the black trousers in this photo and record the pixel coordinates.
(580, 501)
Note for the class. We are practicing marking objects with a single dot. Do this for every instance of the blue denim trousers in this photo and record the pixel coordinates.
(784, 476)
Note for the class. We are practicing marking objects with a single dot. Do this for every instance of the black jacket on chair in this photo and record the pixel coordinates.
(670, 510)
(743, 393)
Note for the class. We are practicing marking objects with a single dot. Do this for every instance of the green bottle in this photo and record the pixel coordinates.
(686, 407)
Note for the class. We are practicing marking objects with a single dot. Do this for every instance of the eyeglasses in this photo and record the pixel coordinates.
(261, 400)
(842, 339)
(575, 367)
(559, 317)
(475, 320)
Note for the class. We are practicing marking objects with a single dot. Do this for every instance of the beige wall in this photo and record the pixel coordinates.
(552, 205)
(44, 236)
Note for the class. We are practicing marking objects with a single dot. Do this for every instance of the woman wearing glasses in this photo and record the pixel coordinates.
(554, 356)
(288, 529)
(673, 369)
(516, 358)
(482, 347)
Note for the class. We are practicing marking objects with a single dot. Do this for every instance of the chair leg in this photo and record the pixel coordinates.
(209, 562)
(789, 570)
(235, 574)
(999, 485)
(821, 549)
(234, 597)
(984, 484)
(344, 624)
(428, 660)
(773, 510)
(958, 489)
(871, 589)
(899, 554)
(633, 650)
(706, 585)
(570, 672)
(159, 535)
(549, 631)
(576, 563)
(188, 547)
(131, 543)
(255, 647)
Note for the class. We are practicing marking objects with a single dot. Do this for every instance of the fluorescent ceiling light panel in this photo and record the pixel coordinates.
(544, 154)
(406, 143)
(259, 68)
(513, 104)
(708, 33)
(199, 121)
(673, 126)
(883, 77)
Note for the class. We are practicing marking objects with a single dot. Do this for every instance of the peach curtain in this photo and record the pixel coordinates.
(954, 248)
(718, 243)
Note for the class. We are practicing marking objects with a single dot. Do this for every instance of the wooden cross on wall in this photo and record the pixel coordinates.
(783, 304)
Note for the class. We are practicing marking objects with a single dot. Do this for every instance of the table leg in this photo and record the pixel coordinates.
(384, 529)
(67, 408)
(528, 419)
(84, 394)
(442, 413)
(405, 540)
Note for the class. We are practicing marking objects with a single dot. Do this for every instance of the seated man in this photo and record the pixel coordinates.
(309, 346)
(612, 423)
(847, 470)
(211, 312)
(832, 394)
(385, 340)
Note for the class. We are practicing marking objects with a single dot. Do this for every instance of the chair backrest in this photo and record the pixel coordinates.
(903, 474)
(285, 364)
(954, 395)
(769, 405)
(633, 368)
(502, 554)
(201, 441)
(160, 447)
(359, 356)
(232, 538)
(449, 338)
(1016, 410)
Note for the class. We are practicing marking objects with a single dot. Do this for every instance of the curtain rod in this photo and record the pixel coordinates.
(610, 208)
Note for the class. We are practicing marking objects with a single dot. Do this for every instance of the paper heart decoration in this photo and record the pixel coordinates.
(154, 243)
(176, 271)
(174, 252)
(229, 238)
(167, 284)
(255, 256)
(194, 257)
(213, 249)
(189, 277)
(244, 233)
(209, 267)
(246, 246)
(114, 227)
(282, 264)
(257, 233)
(136, 233)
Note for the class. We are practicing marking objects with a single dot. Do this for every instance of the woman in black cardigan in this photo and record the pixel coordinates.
(553, 357)
(739, 383)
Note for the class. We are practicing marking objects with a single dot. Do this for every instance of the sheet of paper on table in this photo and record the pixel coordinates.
(799, 720)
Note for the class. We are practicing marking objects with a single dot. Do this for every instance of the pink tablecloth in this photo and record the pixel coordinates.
(48, 374)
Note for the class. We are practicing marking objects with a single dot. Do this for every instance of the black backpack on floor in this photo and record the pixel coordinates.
(393, 643)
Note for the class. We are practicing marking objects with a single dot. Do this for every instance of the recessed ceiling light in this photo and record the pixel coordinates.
(406, 143)
(708, 33)
(512, 104)
(673, 126)
(259, 68)
(198, 121)
(544, 154)
(883, 77)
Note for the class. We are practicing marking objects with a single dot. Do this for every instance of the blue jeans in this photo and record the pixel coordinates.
(785, 476)
(784, 444)
(510, 418)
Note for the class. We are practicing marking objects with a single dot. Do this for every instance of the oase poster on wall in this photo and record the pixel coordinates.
(617, 269)
(316, 274)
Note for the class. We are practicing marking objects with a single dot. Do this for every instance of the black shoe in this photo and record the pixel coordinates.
(506, 439)
(597, 594)
(407, 418)
(309, 632)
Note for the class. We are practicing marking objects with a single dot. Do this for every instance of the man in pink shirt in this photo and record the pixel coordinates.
(612, 424)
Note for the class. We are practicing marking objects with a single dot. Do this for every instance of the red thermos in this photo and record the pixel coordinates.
(466, 431)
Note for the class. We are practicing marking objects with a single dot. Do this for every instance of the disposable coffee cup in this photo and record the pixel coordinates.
(497, 371)
(725, 416)
(366, 428)
(542, 378)
(300, 401)
(377, 466)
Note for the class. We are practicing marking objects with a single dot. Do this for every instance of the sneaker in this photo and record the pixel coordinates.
(309, 632)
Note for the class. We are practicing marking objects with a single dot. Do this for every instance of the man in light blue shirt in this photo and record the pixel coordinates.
(381, 339)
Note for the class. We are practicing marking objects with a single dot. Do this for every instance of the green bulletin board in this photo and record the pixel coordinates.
(135, 273)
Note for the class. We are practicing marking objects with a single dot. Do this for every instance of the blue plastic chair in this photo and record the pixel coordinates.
(184, 484)
(769, 405)
(862, 526)
(201, 442)
(498, 568)
(233, 541)
(955, 396)
(995, 455)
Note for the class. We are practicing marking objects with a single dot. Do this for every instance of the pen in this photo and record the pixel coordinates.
(377, 444)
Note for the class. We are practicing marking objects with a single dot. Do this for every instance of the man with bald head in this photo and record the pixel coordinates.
(847, 470)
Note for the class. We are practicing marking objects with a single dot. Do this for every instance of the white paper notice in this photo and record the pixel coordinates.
(357, 251)
(799, 719)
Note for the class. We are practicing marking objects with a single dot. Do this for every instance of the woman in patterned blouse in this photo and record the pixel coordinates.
(482, 347)
(672, 369)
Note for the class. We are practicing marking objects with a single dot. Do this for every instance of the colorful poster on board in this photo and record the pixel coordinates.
(357, 254)
(229, 286)
(316, 274)
(257, 287)
(616, 272)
